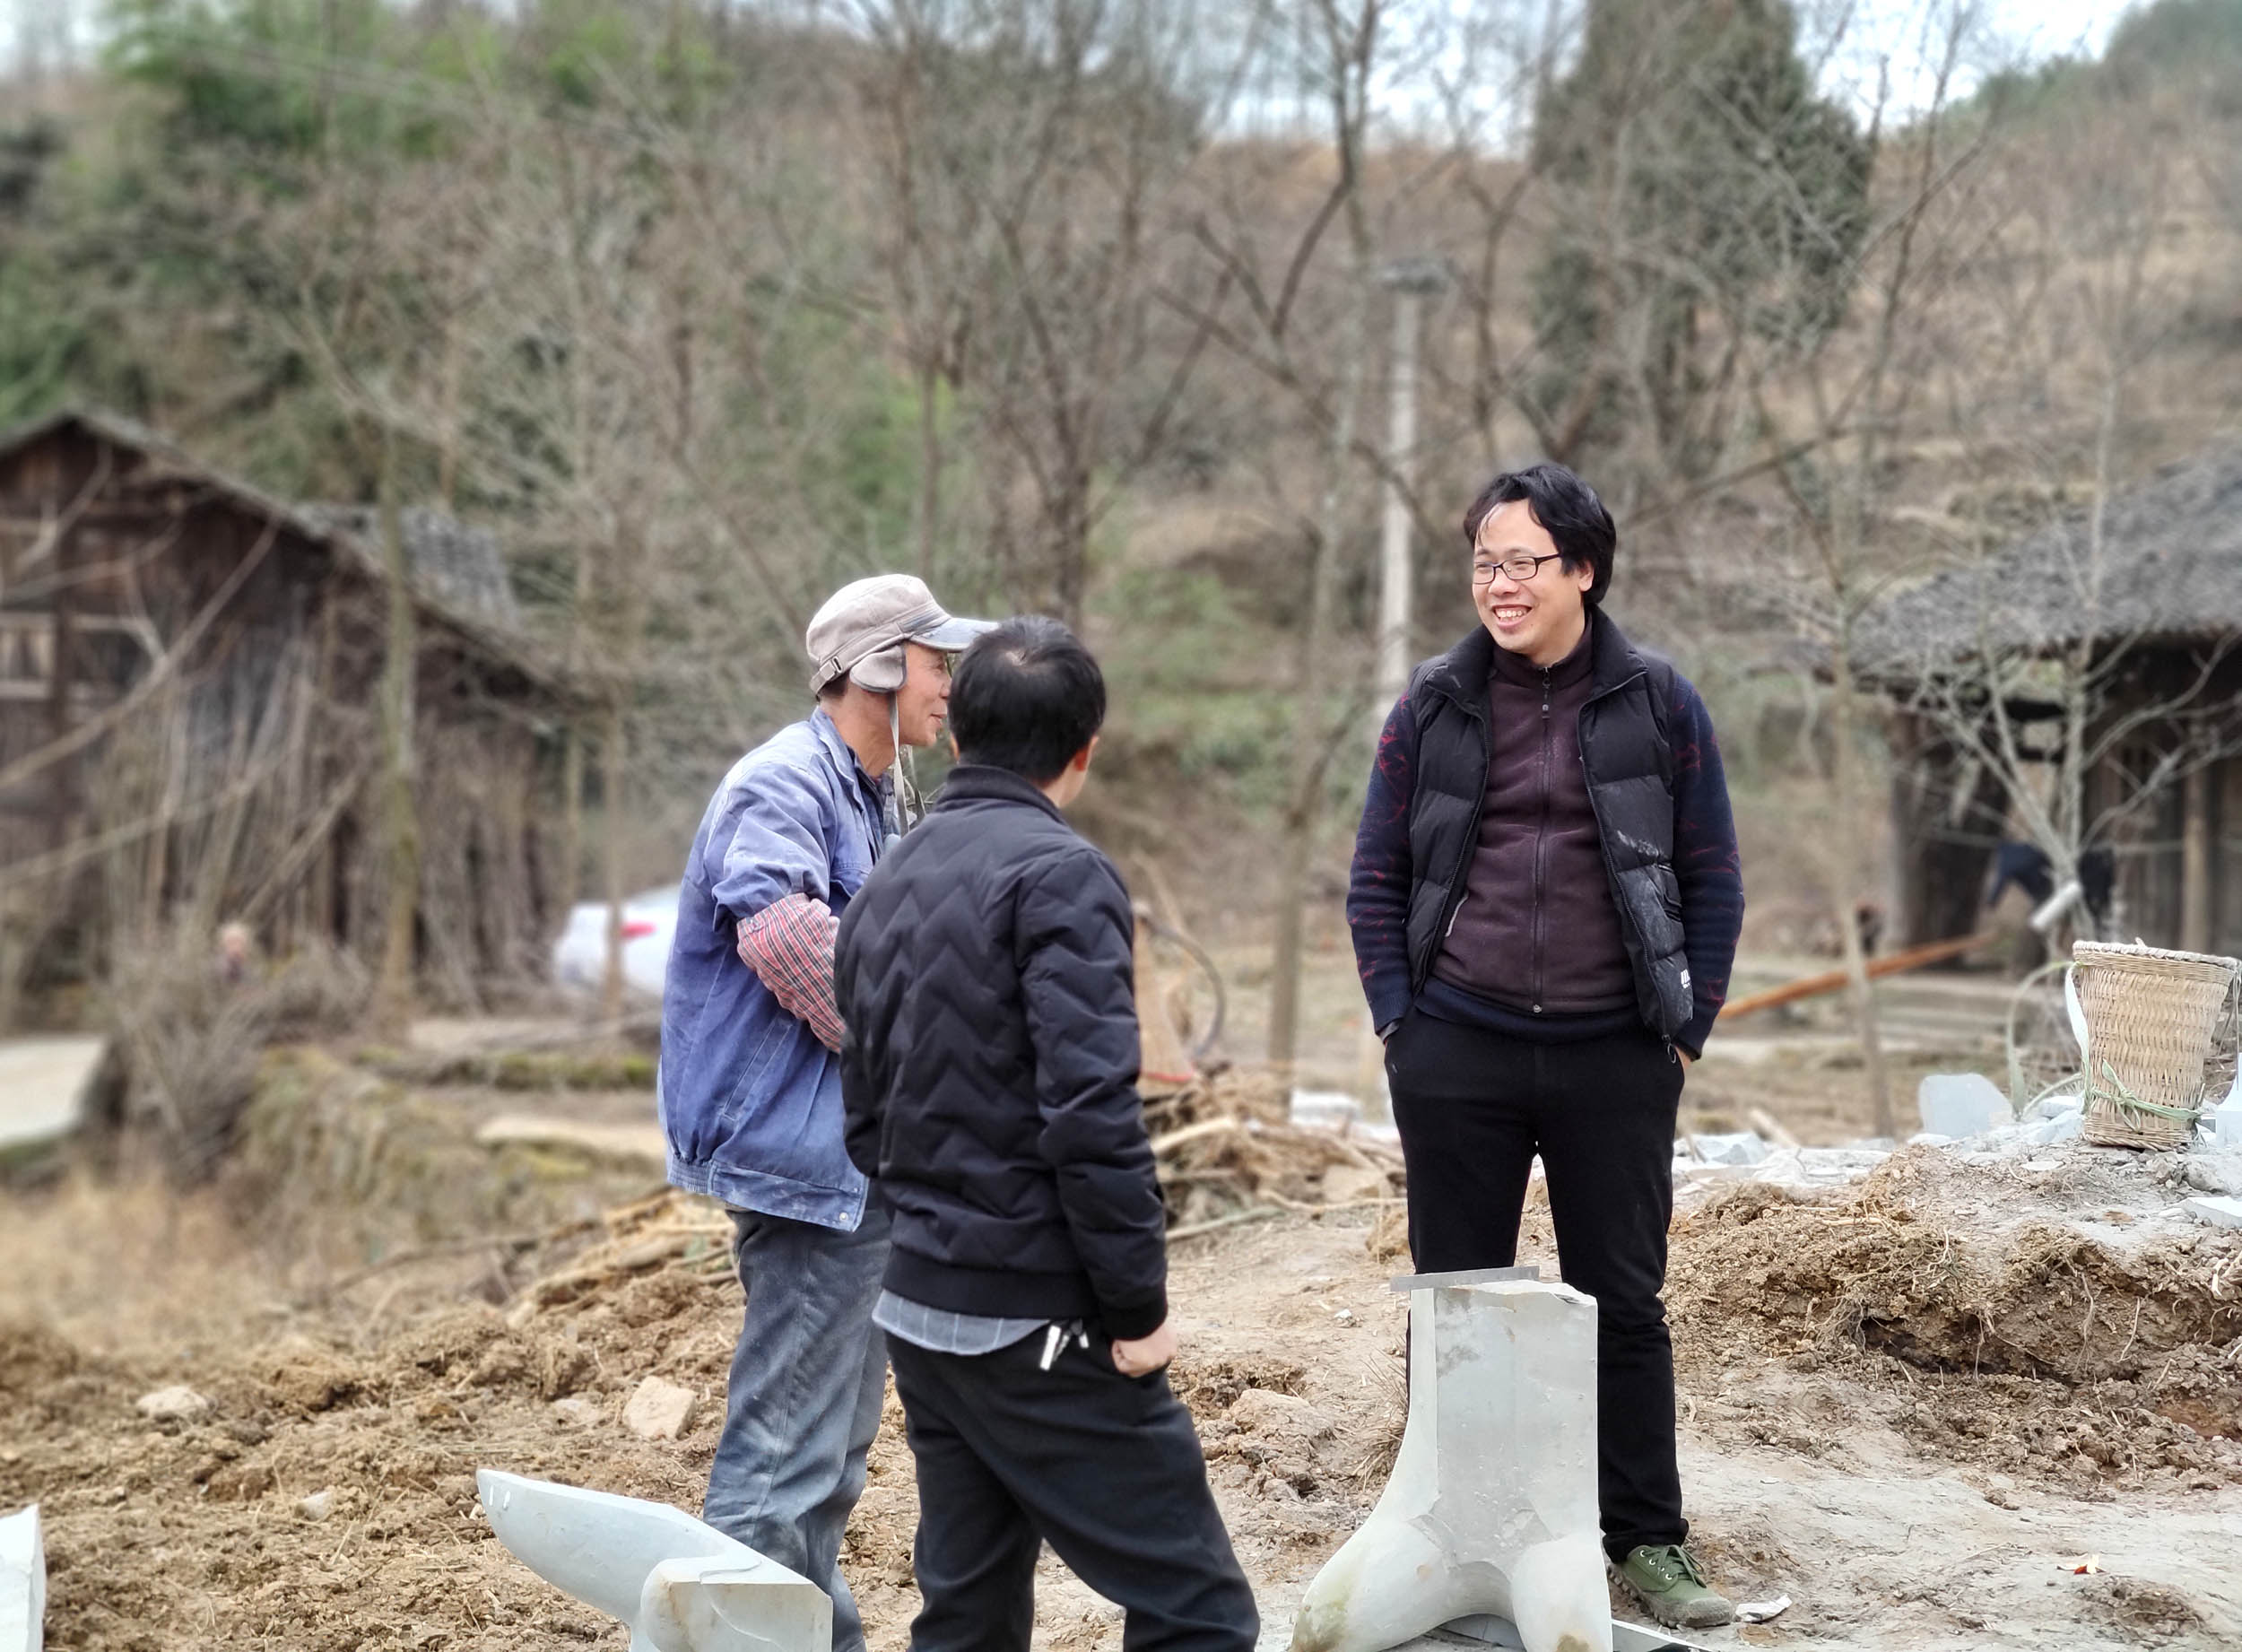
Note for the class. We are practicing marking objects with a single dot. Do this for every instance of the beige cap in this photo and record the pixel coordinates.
(862, 627)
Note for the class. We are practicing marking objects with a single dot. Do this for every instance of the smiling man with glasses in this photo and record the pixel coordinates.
(1545, 900)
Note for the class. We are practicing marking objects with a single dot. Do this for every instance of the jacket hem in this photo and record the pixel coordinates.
(769, 1195)
(998, 1293)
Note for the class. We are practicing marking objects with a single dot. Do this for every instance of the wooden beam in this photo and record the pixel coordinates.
(1833, 980)
(2197, 909)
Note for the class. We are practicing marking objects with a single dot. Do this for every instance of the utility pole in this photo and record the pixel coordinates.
(1410, 280)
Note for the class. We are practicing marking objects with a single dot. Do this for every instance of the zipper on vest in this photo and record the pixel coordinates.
(1540, 852)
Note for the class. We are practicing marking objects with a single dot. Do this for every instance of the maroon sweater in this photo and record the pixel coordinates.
(1536, 931)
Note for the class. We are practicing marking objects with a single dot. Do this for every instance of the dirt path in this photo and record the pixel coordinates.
(1904, 1406)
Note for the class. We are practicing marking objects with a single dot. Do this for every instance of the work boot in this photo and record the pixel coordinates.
(1665, 1579)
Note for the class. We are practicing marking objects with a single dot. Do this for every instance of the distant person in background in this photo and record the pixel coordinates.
(1545, 900)
(749, 1084)
(236, 954)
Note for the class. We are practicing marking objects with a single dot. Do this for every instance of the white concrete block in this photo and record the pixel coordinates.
(44, 1083)
(659, 1409)
(678, 1585)
(2226, 1122)
(1491, 1508)
(2217, 1209)
(178, 1403)
(1960, 1104)
(23, 1583)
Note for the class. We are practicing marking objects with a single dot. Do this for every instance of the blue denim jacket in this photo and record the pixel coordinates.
(750, 1099)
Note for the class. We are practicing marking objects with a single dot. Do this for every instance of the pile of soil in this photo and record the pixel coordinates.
(2046, 1318)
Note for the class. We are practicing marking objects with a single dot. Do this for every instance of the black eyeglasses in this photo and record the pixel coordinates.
(1518, 570)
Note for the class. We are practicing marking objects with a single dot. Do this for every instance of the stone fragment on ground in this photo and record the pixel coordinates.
(1351, 1184)
(2216, 1209)
(2213, 1172)
(318, 1505)
(579, 1409)
(659, 1409)
(176, 1403)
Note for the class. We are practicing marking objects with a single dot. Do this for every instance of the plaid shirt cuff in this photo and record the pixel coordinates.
(789, 945)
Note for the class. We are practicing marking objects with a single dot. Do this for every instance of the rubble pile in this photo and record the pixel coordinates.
(1235, 1145)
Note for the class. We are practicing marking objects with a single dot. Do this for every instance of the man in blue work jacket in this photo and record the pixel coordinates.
(750, 1086)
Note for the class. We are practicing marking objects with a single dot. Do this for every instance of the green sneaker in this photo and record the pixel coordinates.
(1665, 1579)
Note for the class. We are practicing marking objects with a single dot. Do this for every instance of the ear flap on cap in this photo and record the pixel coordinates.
(882, 673)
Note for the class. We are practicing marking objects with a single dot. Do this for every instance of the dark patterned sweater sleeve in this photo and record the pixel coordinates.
(1378, 883)
(1705, 861)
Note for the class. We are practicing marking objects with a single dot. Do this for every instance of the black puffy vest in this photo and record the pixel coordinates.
(1628, 758)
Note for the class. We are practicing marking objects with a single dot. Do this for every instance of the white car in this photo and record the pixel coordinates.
(650, 921)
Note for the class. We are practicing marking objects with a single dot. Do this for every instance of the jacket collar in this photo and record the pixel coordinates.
(1573, 668)
(845, 762)
(1462, 674)
(983, 783)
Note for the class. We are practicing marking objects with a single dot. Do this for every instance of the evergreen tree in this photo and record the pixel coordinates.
(1708, 193)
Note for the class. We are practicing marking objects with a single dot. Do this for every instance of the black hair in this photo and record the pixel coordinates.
(1027, 697)
(1568, 507)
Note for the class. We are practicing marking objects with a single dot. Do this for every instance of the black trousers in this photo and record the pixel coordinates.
(1104, 1467)
(1474, 1109)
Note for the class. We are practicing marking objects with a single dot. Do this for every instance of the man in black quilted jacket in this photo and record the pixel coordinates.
(989, 1076)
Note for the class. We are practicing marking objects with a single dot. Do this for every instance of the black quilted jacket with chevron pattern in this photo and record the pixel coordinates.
(989, 1067)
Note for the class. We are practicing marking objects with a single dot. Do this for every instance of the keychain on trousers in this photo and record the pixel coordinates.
(1055, 1338)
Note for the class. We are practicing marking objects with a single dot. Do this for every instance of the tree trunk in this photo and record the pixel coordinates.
(401, 831)
(570, 879)
(929, 504)
(1305, 781)
(1844, 777)
(612, 759)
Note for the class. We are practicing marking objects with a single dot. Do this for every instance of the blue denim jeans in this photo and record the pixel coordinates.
(803, 1403)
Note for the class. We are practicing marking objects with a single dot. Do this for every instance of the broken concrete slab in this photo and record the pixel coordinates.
(22, 1582)
(1959, 1104)
(659, 1409)
(1491, 1506)
(1740, 1147)
(44, 1083)
(1496, 1632)
(2217, 1209)
(677, 1584)
(176, 1403)
(2212, 1172)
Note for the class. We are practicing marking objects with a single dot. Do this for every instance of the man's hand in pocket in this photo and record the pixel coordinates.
(1145, 1354)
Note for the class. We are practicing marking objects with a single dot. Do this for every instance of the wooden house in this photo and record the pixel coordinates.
(189, 671)
(2142, 603)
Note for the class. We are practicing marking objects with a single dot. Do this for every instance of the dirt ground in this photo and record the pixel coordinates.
(1915, 1407)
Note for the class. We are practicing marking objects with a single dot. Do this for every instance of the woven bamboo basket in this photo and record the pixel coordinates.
(2152, 1018)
